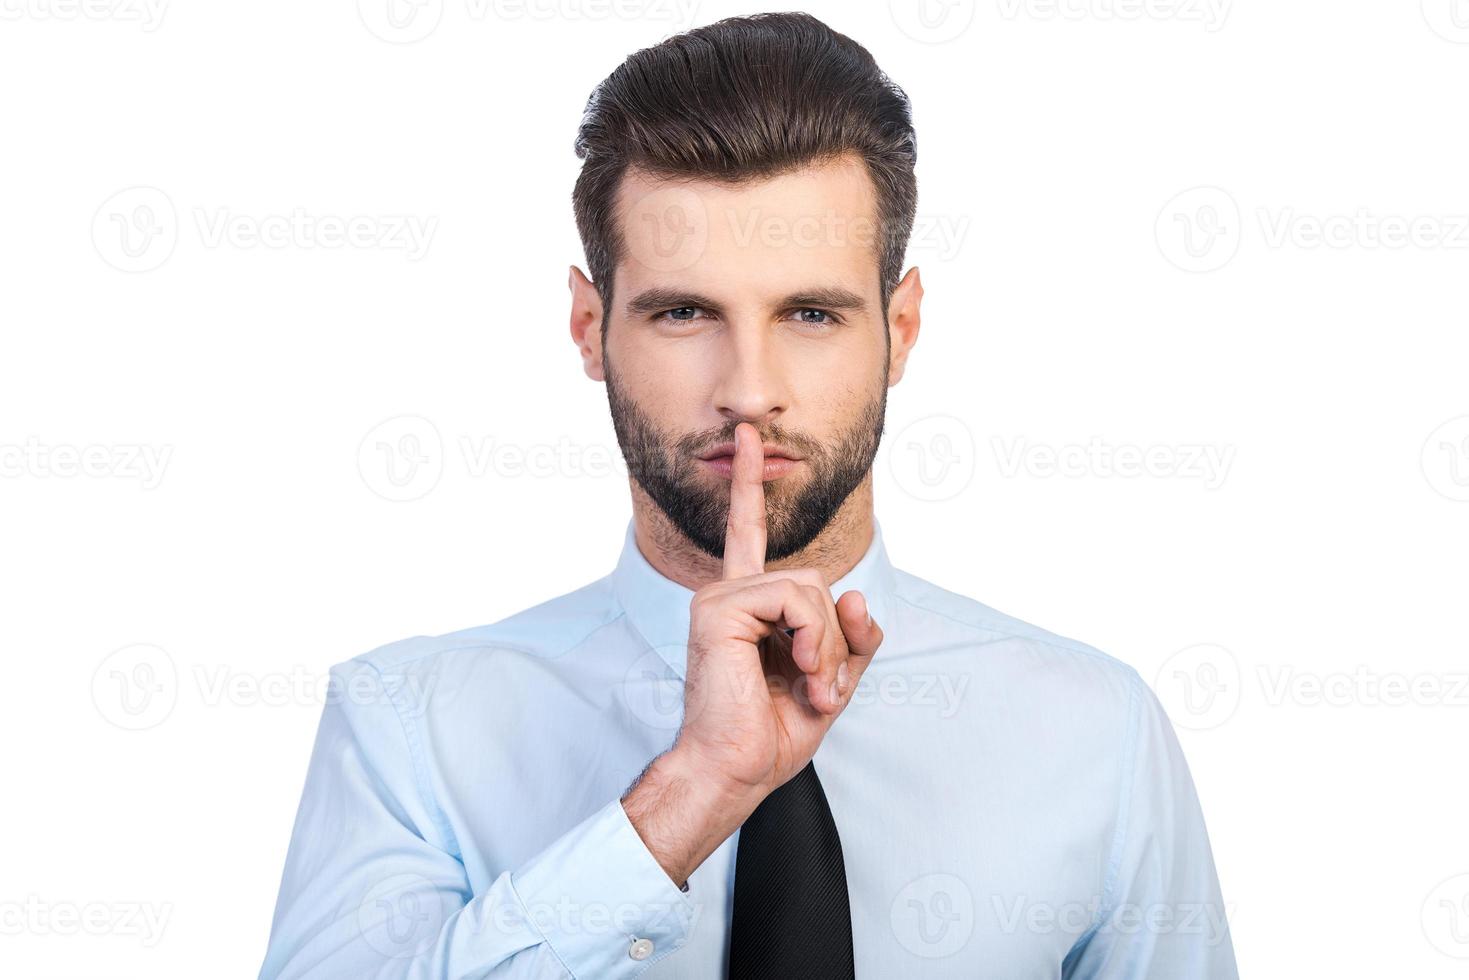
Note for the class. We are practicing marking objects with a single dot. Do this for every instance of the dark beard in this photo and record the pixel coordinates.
(666, 469)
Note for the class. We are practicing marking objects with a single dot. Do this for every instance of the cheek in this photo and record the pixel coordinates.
(846, 368)
(665, 374)
(850, 352)
(831, 406)
(665, 387)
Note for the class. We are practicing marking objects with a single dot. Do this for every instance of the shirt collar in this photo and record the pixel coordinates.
(658, 607)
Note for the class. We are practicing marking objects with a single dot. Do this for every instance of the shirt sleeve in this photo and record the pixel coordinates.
(1162, 916)
(373, 886)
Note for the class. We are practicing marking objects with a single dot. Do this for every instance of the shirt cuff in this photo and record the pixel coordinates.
(602, 901)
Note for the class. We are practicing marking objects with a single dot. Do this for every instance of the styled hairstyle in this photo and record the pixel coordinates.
(743, 99)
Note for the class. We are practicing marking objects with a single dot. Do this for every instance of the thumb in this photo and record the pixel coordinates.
(863, 634)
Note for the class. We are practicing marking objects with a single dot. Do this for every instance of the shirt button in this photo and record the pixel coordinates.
(640, 949)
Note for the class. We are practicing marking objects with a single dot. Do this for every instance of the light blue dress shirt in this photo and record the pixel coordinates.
(1011, 804)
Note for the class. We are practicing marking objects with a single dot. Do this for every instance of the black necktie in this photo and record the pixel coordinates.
(791, 916)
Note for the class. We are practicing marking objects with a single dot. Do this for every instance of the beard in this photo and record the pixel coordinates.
(667, 468)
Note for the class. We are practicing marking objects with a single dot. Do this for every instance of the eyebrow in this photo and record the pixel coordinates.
(822, 297)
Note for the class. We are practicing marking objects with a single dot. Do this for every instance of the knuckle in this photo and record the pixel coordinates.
(704, 598)
(809, 576)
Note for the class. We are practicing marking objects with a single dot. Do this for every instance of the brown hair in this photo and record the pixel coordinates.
(741, 99)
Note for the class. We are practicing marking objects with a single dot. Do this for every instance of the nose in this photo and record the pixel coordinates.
(752, 385)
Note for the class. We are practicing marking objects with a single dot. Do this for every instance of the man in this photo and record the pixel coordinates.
(860, 773)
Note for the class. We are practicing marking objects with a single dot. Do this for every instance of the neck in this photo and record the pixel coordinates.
(833, 552)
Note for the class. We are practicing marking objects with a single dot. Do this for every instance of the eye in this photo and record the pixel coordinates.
(679, 314)
(829, 319)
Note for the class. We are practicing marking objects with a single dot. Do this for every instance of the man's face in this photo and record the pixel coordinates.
(755, 303)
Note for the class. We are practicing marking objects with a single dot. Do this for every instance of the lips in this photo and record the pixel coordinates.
(727, 450)
(774, 467)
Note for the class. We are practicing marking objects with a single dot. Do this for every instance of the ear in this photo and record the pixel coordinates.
(586, 323)
(903, 322)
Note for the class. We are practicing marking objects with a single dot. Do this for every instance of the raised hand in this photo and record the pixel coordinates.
(772, 662)
(758, 700)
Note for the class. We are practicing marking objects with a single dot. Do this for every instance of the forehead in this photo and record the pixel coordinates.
(764, 238)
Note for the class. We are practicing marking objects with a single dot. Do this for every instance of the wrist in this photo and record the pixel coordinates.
(683, 810)
(708, 785)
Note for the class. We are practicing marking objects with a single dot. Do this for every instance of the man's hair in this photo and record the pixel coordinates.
(743, 99)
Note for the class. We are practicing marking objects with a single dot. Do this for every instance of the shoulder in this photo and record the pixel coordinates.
(543, 632)
(1018, 657)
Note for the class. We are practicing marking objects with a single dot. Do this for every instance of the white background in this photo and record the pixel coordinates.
(197, 516)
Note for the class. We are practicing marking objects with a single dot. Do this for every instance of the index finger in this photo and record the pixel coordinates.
(744, 532)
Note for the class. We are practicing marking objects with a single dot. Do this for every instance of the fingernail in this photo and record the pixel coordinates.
(867, 609)
(842, 674)
(836, 695)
